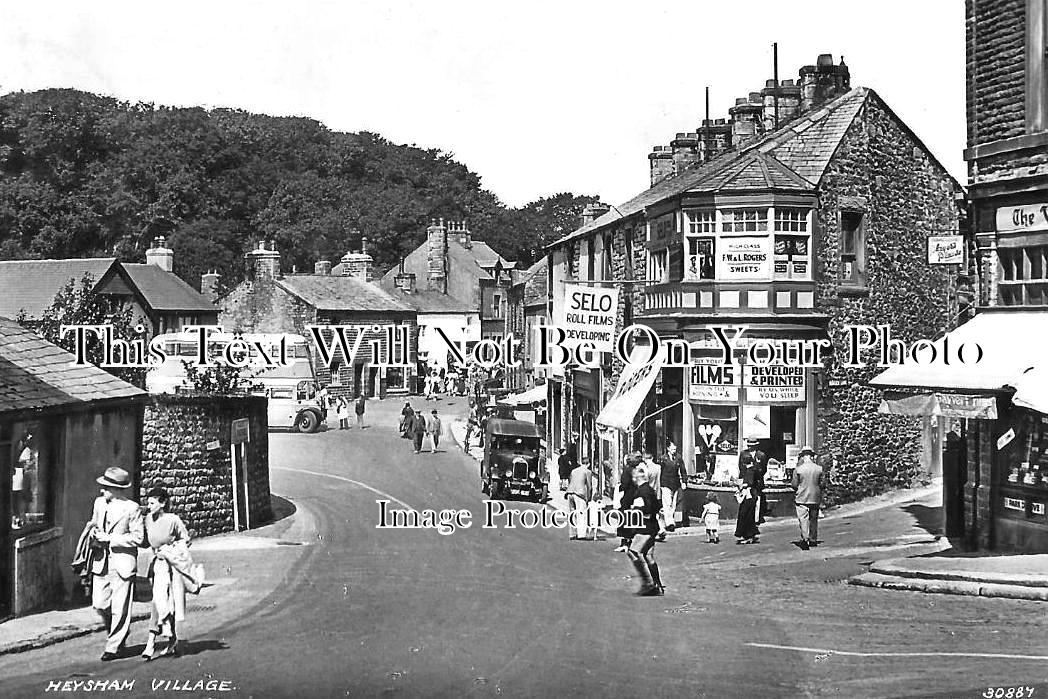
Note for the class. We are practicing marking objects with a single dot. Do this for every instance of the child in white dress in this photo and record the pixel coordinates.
(711, 518)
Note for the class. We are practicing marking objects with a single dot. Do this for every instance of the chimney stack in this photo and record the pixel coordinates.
(263, 263)
(822, 82)
(437, 257)
(358, 265)
(591, 212)
(322, 267)
(209, 285)
(660, 163)
(747, 124)
(161, 255)
(458, 232)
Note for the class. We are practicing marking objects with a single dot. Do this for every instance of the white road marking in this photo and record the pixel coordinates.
(919, 654)
(365, 486)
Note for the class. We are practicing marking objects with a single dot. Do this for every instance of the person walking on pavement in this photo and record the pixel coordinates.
(564, 469)
(711, 518)
(358, 408)
(760, 467)
(171, 572)
(808, 481)
(580, 493)
(672, 477)
(342, 411)
(406, 413)
(116, 533)
(642, 548)
(433, 429)
(418, 430)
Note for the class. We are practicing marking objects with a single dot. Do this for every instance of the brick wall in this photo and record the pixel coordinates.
(905, 197)
(996, 47)
(175, 434)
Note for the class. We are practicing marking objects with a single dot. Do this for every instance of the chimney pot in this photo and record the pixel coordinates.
(825, 59)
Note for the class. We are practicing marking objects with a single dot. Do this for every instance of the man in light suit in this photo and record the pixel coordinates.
(580, 492)
(117, 531)
(808, 479)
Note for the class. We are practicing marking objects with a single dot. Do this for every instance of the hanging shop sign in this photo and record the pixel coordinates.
(588, 315)
(1030, 217)
(711, 383)
(774, 384)
(744, 258)
(945, 249)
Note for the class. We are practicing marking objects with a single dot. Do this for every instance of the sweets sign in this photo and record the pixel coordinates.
(746, 258)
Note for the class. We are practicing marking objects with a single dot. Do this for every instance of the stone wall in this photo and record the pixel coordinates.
(996, 42)
(905, 196)
(175, 456)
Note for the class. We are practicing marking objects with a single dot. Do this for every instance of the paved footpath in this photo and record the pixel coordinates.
(235, 582)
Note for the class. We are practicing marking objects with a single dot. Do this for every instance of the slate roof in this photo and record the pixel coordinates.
(794, 157)
(31, 285)
(331, 293)
(535, 284)
(164, 291)
(461, 261)
(37, 374)
(426, 301)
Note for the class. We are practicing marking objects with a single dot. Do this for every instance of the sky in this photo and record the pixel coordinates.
(536, 97)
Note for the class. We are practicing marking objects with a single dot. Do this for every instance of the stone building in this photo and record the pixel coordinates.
(795, 232)
(457, 284)
(996, 494)
(269, 301)
(61, 426)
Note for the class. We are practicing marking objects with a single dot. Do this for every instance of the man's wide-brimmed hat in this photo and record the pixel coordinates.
(806, 450)
(115, 477)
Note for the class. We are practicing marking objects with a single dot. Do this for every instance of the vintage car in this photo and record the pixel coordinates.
(512, 464)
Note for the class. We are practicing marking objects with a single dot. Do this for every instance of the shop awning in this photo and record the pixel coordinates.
(634, 384)
(941, 404)
(1032, 389)
(536, 394)
(1012, 344)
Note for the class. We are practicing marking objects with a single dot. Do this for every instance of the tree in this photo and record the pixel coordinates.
(78, 304)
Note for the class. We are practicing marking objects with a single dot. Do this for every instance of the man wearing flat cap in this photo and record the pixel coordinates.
(808, 480)
(116, 532)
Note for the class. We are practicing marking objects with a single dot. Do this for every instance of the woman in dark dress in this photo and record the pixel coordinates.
(746, 530)
(642, 548)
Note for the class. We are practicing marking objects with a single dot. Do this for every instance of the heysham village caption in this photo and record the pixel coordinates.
(389, 347)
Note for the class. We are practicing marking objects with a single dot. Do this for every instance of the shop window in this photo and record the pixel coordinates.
(744, 220)
(658, 264)
(26, 450)
(699, 259)
(1023, 274)
(792, 256)
(853, 249)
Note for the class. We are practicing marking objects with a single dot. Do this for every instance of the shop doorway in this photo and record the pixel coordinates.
(954, 480)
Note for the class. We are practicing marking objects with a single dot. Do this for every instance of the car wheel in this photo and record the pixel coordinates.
(307, 422)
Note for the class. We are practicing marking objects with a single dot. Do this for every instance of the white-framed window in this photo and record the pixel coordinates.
(658, 264)
(702, 222)
(744, 220)
(792, 243)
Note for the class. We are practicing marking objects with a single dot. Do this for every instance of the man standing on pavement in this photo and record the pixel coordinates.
(117, 530)
(760, 468)
(580, 492)
(671, 480)
(359, 409)
(808, 480)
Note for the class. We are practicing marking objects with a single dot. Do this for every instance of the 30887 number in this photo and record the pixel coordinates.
(1008, 692)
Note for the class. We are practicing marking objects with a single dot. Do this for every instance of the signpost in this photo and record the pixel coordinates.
(240, 434)
(588, 315)
(945, 249)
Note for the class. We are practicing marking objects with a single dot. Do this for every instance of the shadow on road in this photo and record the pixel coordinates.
(928, 518)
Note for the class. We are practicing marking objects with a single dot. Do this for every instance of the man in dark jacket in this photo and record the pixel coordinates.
(418, 430)
(564, 469)
(672, 478)
(642, 546)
